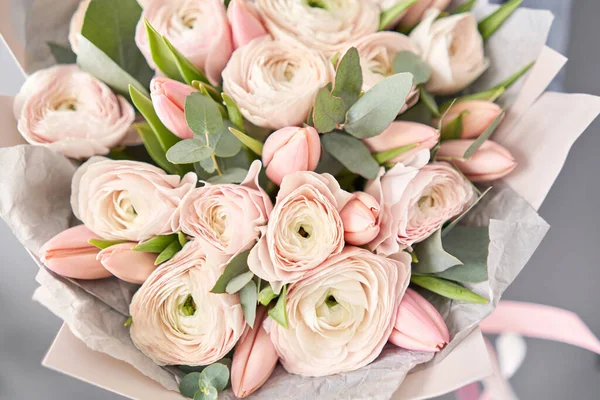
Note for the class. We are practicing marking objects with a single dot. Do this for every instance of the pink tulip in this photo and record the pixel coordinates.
(290, 150)
(126, 264)
(415, 13)
(360, 218)
(245, 23)
(254, 358)
(490, 162)
(69, 254)
(419, 325)
(168, 98)
(403, 133)
(478, 115)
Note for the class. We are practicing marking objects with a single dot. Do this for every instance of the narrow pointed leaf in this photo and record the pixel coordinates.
(161, 54)
(155, 245)
(237, 266)
(266, 295)
(182, 238)
(391, 14)
(104, 244)
(145, 107)
(388, 155)
(233, 111)
(454, 128)
(156, 151)
(279, 312)
(465, 7)
(248, 141)
(494, 21)
(447, 289)
(484, 136)
(514, 78)
(248, 298)
(188, 71)
(429, 101)
(237, 283)
(168, 252)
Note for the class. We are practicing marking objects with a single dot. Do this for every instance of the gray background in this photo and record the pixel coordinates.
(564, 272)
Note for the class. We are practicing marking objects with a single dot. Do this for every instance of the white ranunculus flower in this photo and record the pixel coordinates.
(341, 315)
(453, 47)
(275, 83)
(304, 228)
(329, 26)
(176, 318)
(127, 200)
(72, 112)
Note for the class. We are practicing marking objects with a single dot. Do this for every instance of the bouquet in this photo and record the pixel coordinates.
(272, 194)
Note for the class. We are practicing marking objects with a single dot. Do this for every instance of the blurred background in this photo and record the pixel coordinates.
(564, 272)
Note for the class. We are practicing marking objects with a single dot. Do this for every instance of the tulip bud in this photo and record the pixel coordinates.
(477, 116)
(415, 13)
(126, 264)
(69, 254)
(402, 134)
(245, 23)
(168, 97)
(290, 150)
(490, 162)
(360, 218)
(419, 326)
(254, 358)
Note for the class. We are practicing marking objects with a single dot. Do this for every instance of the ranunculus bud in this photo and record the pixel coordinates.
(490, 162)
(360, 219)
(245, 23)
(168, 98)
(416, 12)
(76, 24)
(290, 150)
(69, 254)
(126, 264)
(477, 116)
(419, 326)
(402, 134)
(453, 48)
(254, 358)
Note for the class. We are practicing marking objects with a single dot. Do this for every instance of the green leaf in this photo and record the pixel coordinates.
(465, 7)
(189, 72)
(248, 297)
(92, 60)
(378, 108)
(62, 54)
(237, 283)
(348, 79)
(419, 113)
(199, 368)
(454, 128)
(209, 91)
(237, 266)
(168, 252)
(447, 289)
(208, 165)
(206, 392)
(235, 115)
(484, 136)
(429, 101)
(391, 14)
(182, 239)
(487, 95)
(110, 25)
(432, 256)
(215, 375)
(190, 384)
(161, 54)
(128, 322)
(279, 312)
(248, 141)
(232, 175)
(388, 155)
(156, 151)
(266, 295)
(352, 153)
(329, 111)
(189, 151)
(407, 61)
(155, 245)
(204, 118)
(228, 145)
(471, 245)
(456, 220)
(506, 84)
(104, 244)
(494, 21)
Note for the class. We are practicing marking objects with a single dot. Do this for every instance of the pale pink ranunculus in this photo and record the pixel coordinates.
(341, 315)
(477, 116)
(177, 320)
(76, 24)
(290, 150)
(402, 134)
(453, 48)
(70, 111)
(275, 83)
(168, 98)
(416, 202)
(126, 264)
(304, 229)
(127, 200)
(227, 216)
(377, 52)
(245, 22)
(416, 12)
(197, 28)
(329, 29)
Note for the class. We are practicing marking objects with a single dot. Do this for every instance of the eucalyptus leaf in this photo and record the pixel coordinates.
(429, 101)
(156, 151)
(62, 54)
(228, 145)
(489, 25)
(161, 54)
(232, 175)
(407, 61)
(484, 136)
(190, 384)
(226, 361)
(204, 118)
(111, 26)
(378, 107)
(104, 244)
(189, 151)
(432, 256)
(235, 115)
(279, 312)
(329, 111)
(155, 245)
(215, 375)
(248, 141)
(348, 79)
(388, 16)
(471, 245)
(208, 165)
(237, 283)
(206, 393)
(453, 129)
(237, 266)
(248, 298)
(447, 289)
(168, 253)
(266, 295)
(352, 153)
